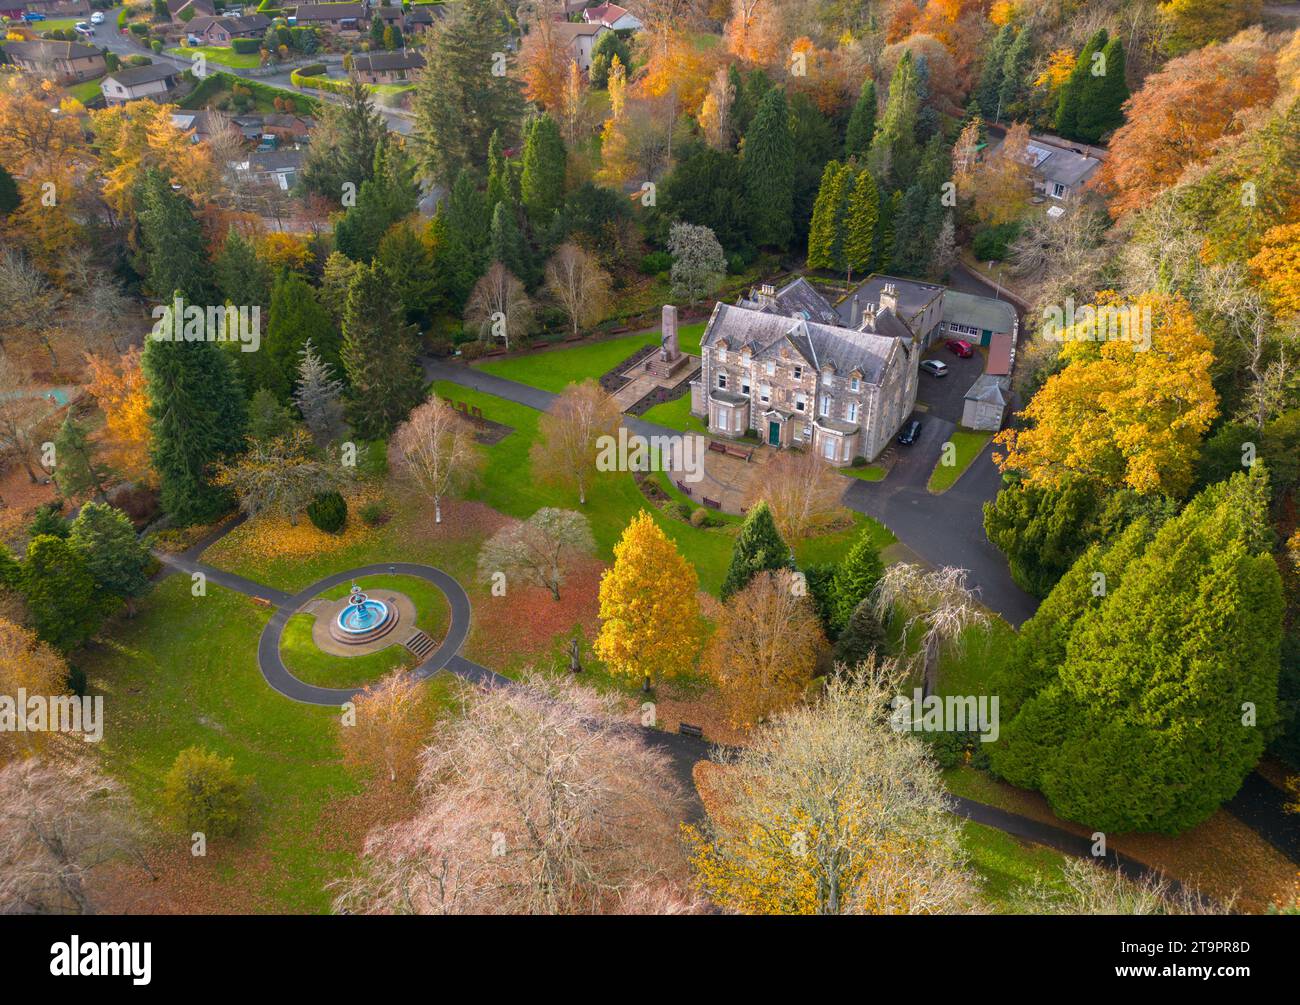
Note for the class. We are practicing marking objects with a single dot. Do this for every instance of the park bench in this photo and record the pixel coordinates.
(688, 729)
(262, 602)
(683, 486)
(747, 454)
(717, 448)
(478, 412)
(711, 503)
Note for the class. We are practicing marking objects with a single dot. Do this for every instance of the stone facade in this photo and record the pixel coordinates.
(806, 381)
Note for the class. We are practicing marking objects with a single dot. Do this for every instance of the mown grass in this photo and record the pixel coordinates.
(676, 415)
(968, 444)
(510, 485)
(184, 672)
(556, 369)
(223, 55)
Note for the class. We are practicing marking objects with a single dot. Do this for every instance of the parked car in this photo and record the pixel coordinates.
(960, 347)
(935, 367)
(32, 16)
(81, 28)
(910, 432)
(97, 17)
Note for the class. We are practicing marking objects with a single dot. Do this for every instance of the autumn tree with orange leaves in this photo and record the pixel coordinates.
(766, 647)
(119, 387)
(387, 727)
(1180, 113)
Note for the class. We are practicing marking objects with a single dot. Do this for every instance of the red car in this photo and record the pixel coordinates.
(960, 347)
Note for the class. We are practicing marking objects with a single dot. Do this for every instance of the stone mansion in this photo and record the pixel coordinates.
(837, 380)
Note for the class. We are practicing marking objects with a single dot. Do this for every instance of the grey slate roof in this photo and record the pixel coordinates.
(1068, 167)
(978, 312)
(913, 297)
(132, 75)
(48, 48)
(798, 298)
(372, 62)
(989, 388)
(842, 348)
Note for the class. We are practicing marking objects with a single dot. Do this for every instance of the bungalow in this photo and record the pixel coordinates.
(386, 67)
(613, 17)
(343, 18)
(55, 8)
(190, 10)
(220, 30)
(133, 83)
(425, 16)
(1059, 169)
(62, 62)
(581, 39)
(278, 168)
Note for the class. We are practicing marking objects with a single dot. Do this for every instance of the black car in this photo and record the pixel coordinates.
(910, 433)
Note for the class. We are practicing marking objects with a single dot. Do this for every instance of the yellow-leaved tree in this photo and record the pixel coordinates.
(650, 625)
(1277, 266)
(1125, 412)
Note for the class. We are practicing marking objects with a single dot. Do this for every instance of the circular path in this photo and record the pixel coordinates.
(278, 675)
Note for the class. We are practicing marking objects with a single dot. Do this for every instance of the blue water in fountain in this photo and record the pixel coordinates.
(361, 617)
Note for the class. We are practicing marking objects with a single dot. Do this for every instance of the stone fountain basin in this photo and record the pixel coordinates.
(330, 638)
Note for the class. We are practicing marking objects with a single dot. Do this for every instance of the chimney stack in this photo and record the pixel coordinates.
(855, 312)
(889, 297)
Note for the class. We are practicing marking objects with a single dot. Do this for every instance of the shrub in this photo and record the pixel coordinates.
(990, 243)
(681, 510)
(472, 350)
(49, 520)
(656, 262)
(705, 518)
(858, 462)
(156, 45)
(245, 45)
(374, 514)
(203, 793)
(329, 512)
(138, 28)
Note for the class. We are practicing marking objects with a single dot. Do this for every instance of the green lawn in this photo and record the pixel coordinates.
(307, 662)
(1007, 868)
(85, 92)
(509, 485)
(184, 672)
(868, 472)
(556, 369)
(676, 415)
(222, 54)
(968, 443)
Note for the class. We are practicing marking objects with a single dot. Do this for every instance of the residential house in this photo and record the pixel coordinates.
(841, 392)
(422, 17)
(182, 11)
(613, 17)
(386, 67)
(1059, 167)
(581, 39)
(51, 8)
(278, 168)
(220, 30)
(340, 18)
(132, 83)
(62, 62)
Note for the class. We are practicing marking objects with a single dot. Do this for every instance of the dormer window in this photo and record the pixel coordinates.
(855, 384)
(722, 355)
(798, 372)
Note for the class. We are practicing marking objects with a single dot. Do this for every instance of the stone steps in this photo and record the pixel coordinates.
(420, 644)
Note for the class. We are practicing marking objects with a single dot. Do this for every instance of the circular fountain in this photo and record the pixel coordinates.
(362, 619)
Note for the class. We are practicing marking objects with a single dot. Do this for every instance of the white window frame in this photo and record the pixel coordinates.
(855, 384)
(830, 449)
(853, 411)
(765, 394)
(771, 368)
(722, 380)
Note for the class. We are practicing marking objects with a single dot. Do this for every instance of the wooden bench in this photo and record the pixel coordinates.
(478, 412)
(684, 487)
(690, 729)
(262, 602)
(711, 503)
(746, 454)
(717, 448)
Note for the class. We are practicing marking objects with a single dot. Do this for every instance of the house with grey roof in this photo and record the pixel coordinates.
(977, 319)
(62, 62)
(132, 83)
(810, 382)
(386, 67)
(985, 405)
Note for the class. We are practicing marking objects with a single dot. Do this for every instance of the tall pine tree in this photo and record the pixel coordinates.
(198, 415)
(1070, 98)
(542, 182)
(861, 225)
(380, 356)
(767, 169)
(758, 547)
(862, 123)
(894, 151)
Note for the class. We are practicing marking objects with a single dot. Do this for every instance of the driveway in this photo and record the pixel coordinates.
(945, 396)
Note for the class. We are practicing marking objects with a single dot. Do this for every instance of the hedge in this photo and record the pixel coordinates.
(319, 83)
(245, 46)
(219, 81)
(329, 512)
